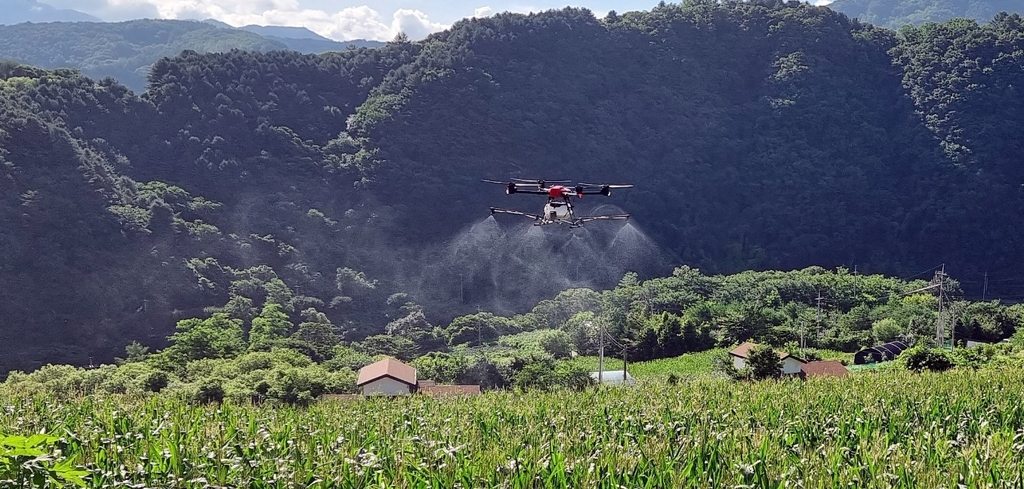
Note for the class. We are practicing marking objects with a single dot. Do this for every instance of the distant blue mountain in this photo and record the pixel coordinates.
(284, 32)
(18, 11)
(300, 38)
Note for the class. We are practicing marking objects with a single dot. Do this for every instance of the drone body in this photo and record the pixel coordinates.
(558, 209)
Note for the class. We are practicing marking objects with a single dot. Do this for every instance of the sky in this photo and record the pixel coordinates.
(340, 20)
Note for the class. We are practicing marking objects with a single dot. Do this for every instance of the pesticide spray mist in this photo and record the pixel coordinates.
(507, 267)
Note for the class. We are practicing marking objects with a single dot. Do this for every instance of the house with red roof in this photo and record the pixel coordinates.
(390, 377)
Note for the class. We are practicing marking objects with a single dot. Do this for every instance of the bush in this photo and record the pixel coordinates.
(764, 363)
(297, 385)
(156, 381)
(920, 358)
(723, 364)
(210, 390)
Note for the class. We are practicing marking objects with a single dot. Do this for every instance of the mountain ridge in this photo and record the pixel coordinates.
(345, 187)
(18, 11)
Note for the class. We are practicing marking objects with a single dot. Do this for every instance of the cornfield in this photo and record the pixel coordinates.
(893, 429)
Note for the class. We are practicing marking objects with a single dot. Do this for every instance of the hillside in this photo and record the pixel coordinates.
(127, 50)
(345, 187)
(897, 13)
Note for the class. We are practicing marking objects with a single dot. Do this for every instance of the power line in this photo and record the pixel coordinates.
(932, 269)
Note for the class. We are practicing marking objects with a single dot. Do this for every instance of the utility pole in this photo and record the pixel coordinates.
(625, 374)
(984, 290)
(817, 320)
(600, 354)
(940, 279)
(803, 342)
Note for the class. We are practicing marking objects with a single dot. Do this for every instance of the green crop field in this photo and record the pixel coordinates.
(893, 429)
(687, 365)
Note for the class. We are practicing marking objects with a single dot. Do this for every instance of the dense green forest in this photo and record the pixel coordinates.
(897, 13)
(127, 50)
(344, 189)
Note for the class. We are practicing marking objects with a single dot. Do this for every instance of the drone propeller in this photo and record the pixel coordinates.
(538, 181)
(601, 185)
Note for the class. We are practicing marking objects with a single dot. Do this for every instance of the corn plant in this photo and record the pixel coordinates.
(872, 430)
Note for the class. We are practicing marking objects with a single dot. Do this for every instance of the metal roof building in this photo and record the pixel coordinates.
(614, 377)
(880, 353)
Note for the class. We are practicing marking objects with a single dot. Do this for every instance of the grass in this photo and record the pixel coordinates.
(688, 365)
(876, 430)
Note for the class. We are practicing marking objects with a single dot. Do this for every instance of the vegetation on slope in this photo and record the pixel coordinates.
(126, 50)
(897, 13)
(345, 187)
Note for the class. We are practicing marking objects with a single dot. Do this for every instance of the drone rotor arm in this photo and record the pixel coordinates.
(616, 217)
(498, 210)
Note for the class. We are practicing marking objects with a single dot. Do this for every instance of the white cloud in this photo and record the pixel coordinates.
(482, 12)
(360, 22)
(823, 2)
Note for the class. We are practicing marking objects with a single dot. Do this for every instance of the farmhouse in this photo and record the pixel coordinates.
(790, 365)
(387, 377)
(390, 377)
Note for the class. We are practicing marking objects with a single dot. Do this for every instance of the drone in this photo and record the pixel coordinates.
(558, 209)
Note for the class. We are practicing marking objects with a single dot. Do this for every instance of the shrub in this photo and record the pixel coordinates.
(764, 363)
(920, 358)
(210, 390)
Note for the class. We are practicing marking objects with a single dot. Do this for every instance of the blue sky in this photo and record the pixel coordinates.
(336, 19)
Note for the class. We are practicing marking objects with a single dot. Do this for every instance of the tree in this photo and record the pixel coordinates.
(135, 352)
(219, 336)
(764, 363)
(392, 346)
(886, 330)
(441, 367)
(921, 358)
(272, 324)
(317, 332)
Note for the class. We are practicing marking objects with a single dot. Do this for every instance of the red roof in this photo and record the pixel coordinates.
(388, 367)
(449, 390)
(743, 351)
(825, 368)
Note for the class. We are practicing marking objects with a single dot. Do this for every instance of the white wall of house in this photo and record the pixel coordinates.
(791, 366)
(386, 386)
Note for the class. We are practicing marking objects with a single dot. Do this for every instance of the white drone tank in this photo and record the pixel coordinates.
(556, 211)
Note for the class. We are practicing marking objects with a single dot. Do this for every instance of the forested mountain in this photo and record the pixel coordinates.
(897, 13)
(18, 11)
(127, 50)
(345, 187)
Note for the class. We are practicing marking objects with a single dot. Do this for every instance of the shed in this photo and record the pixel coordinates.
(387, 377)
(880, 353)
(614, 377)
(791, 365)
(825, 368)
